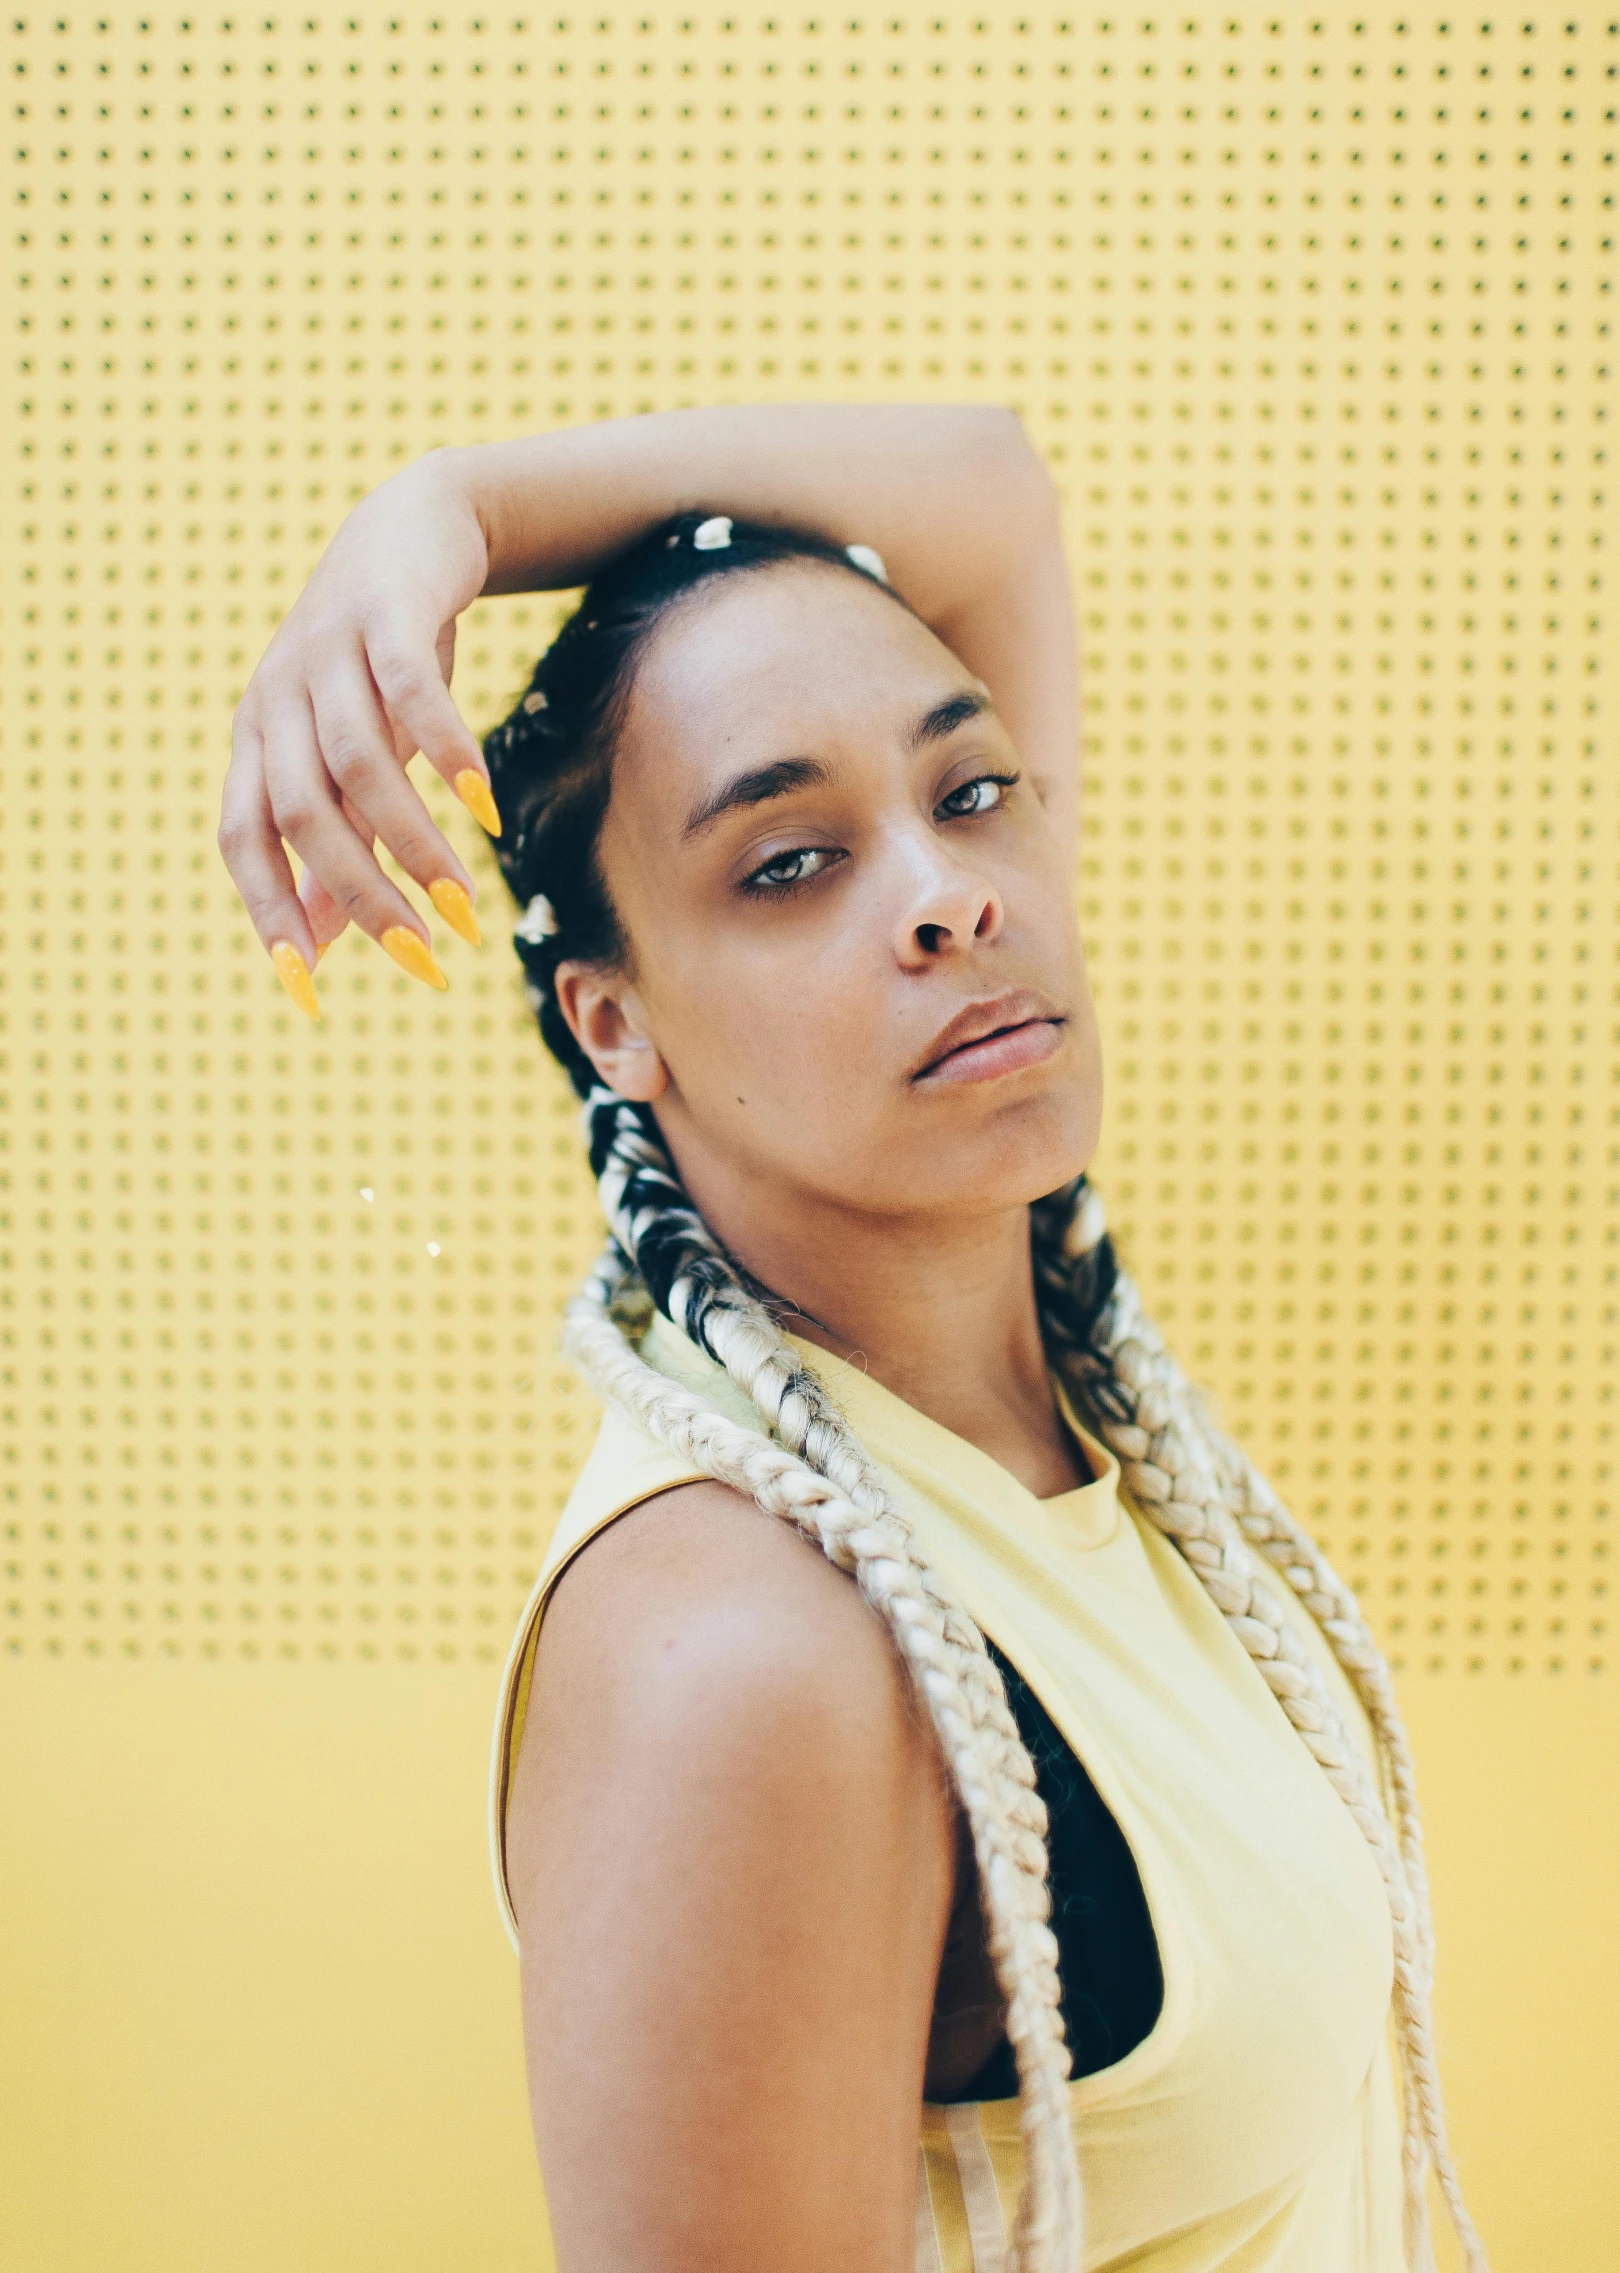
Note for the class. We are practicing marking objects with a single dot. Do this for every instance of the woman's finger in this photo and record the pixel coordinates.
(358, 746)
(307, 810)
(250, 846)
(408, 672)
(327, 920)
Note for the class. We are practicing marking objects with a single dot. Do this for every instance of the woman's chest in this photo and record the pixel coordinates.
(1268, 1911)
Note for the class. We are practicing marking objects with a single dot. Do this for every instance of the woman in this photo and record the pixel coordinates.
(789, 810)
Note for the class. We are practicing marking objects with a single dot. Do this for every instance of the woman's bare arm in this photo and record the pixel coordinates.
(354, 681)
(954, 497)
(731, 1853)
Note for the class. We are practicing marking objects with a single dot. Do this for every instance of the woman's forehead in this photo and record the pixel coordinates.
(780, 663)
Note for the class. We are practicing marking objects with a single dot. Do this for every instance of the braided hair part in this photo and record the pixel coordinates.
(551, 766)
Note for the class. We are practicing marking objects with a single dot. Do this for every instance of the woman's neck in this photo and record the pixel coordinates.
(941, 1311)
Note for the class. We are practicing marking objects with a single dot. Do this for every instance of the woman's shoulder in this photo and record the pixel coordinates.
(699, 1634)
(669, 1569)
(673, 1618)
(627, 1464)
(695, 1580)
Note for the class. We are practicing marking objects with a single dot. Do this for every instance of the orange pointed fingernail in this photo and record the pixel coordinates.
(450, 898)
(479, 799)
(293, 972)
(413, 954)
(321, 950)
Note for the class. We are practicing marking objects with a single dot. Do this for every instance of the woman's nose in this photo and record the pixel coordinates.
(950, 909)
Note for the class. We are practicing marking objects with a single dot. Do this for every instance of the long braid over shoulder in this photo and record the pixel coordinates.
(551, 764)
(1212, 1503)
(806, 1465)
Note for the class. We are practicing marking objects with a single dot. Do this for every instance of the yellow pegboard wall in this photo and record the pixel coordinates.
(1309, 316)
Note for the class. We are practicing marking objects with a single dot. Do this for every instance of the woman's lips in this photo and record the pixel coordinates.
(1008, 1050)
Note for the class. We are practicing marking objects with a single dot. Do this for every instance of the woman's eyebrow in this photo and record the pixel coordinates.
(756, 787)
(945, 717)
(761, 783)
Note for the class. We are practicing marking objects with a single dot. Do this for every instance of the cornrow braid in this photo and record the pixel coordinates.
(551, 763)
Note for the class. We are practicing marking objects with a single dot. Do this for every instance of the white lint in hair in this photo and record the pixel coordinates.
(865, 558)
(534, 701)
(712, 535)
(537, 923)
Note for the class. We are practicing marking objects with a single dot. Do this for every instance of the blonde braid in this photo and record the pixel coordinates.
(861, 1532)
(1267, 1525)
(1208, 1498)
(1187, 1478)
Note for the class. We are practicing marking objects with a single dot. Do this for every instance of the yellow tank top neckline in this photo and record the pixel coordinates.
(1254, 2130)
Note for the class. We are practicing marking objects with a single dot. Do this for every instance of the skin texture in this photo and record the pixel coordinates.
(749, 1927)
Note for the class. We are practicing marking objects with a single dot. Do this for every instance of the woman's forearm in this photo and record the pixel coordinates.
(934, 487)
(954, 497)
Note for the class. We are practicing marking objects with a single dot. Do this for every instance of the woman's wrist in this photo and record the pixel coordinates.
(551, 507)
(478, 476)
(442, 484)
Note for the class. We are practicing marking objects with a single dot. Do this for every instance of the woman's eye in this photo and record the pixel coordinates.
(980, 796)
(788, 868)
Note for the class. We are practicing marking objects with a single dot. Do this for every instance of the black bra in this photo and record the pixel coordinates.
(1113, 1984)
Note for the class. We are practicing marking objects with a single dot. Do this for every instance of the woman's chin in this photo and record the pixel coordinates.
(1037, 1149)
(1038, 1144)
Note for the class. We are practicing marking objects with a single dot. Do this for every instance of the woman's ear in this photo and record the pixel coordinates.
(605, 1018)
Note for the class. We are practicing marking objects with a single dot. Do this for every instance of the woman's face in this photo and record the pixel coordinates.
(855, 974)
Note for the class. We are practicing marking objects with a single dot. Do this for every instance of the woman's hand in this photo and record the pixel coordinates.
(355, 681)
(953, 497)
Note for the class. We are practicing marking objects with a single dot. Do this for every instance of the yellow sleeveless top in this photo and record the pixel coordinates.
(1255, 2129)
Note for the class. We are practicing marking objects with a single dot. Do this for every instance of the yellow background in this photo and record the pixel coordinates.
(1309, 315)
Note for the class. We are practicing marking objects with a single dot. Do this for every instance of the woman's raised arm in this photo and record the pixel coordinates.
(954, 497)
(355, 680)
